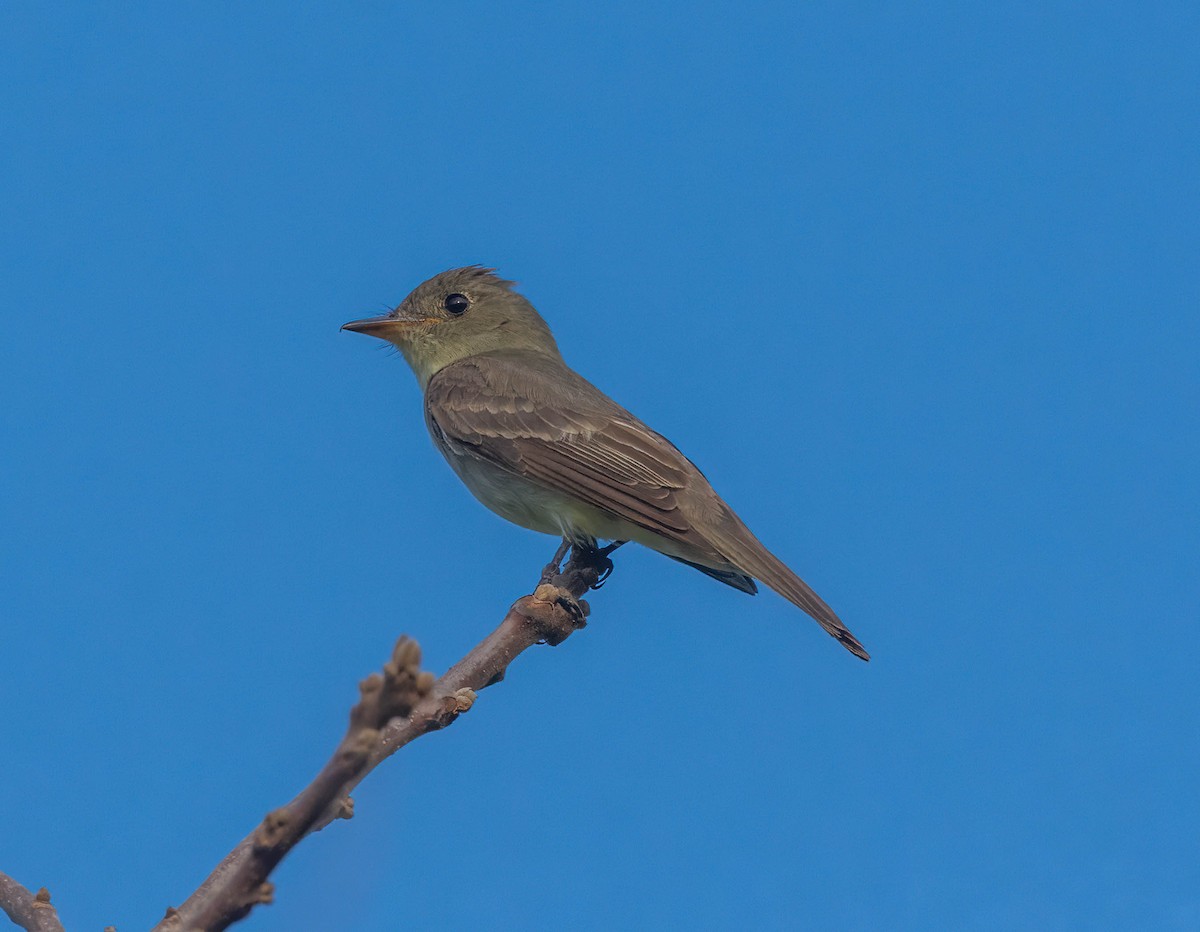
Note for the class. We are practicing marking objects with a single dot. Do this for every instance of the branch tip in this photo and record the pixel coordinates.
(407, 653)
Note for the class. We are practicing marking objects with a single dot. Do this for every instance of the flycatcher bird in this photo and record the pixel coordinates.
(543, 447)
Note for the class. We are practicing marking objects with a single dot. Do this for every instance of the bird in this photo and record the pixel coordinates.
(544, 448)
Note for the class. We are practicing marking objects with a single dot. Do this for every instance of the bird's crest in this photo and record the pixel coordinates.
(481, 274)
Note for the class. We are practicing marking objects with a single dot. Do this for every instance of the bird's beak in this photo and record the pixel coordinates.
(383, 325)
(372, 326)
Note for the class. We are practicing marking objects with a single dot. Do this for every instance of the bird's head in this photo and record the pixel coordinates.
(457, 314)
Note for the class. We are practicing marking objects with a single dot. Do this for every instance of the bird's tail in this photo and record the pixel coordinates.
(748, 554)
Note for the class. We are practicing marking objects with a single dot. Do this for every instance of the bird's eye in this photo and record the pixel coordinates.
(456, 304)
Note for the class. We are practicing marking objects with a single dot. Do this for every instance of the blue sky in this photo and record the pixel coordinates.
(916, 286)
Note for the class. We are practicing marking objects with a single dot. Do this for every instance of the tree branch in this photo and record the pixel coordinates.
(30, 911)
(401, 705)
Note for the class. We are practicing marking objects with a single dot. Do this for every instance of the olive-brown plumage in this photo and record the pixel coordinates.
(543, 447)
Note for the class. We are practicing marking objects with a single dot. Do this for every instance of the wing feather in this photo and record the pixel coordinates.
(575, 440)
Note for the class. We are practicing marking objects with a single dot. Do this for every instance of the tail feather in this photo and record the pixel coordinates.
(750, 556)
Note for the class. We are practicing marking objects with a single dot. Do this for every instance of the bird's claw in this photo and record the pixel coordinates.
(600, 558)
(606, 570)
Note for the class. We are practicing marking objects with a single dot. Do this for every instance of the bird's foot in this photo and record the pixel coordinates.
(597, 558)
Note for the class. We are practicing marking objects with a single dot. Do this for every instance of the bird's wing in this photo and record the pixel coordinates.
(556, 429)
(539, 420)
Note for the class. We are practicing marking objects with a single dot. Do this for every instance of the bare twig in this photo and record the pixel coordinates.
(392, 712)
(30, 911)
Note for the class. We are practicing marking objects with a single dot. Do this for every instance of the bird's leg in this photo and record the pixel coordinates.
(554, 567)
(553, 586)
